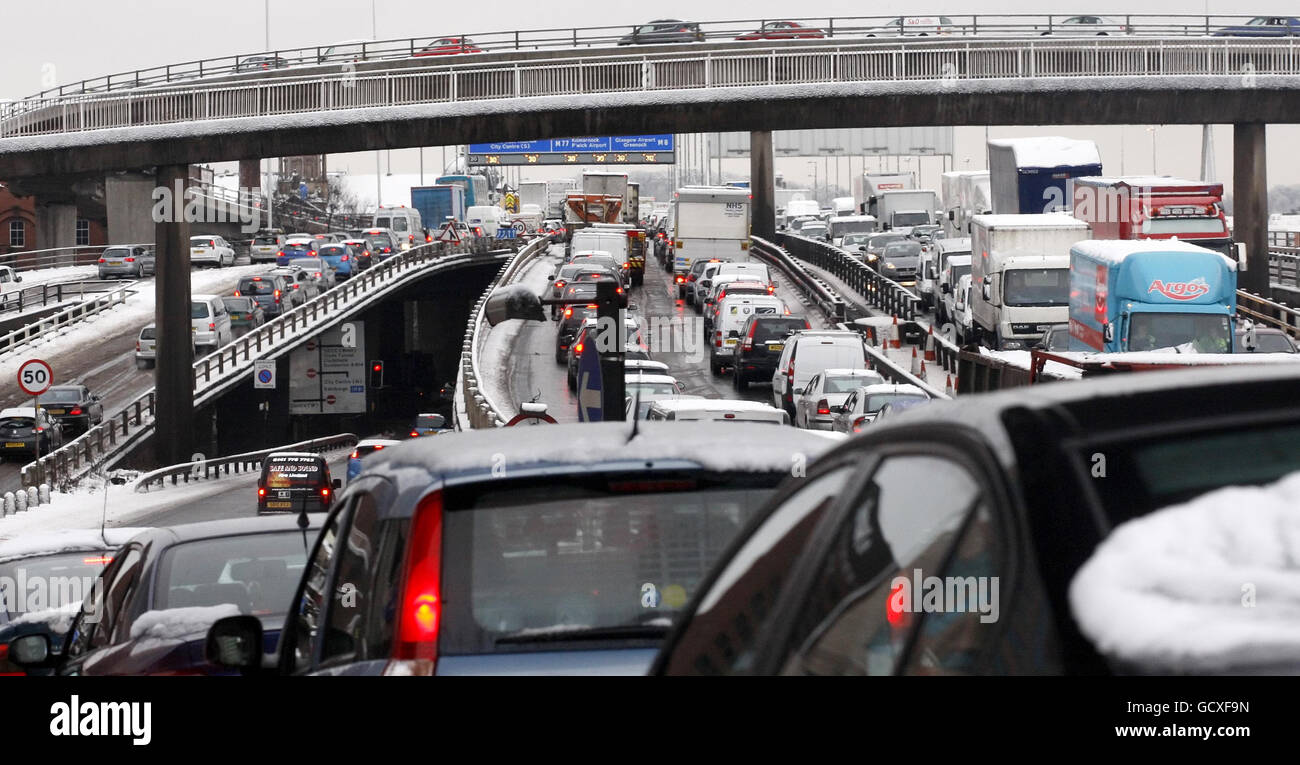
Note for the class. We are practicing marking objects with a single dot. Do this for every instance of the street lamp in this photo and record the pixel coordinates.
(814, 167)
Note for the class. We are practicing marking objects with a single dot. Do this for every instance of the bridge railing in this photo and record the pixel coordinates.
(209, 469)
(212, 373)
(832, 29)
(948, 59)
(23, 261)
(475, 407)
(58, 322)
(17, 301)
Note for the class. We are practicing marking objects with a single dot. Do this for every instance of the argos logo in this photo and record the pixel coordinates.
(1180, 290)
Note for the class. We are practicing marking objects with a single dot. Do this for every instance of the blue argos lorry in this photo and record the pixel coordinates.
(1147, 295)
(437, 203)
(1028, 176)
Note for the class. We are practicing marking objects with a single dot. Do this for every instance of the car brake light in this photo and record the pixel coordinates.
(857, 424)
(280, 254)
(428, 238)
(421, 599)
(130, 260)
(261, 492)
(354, 455)
(577, 349)
(823, 407)
(277, 295)
(771, 289)
(75, 411)
(137, 346)
(560, 283)
(344, 258)
(296, 286)
(415, 434)
(681, 279)
(101, 260)
(325, 492)
(237, 293)
(98, 560)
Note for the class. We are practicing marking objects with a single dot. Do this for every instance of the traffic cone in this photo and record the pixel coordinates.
(947, 387)
(895, 340)
(916, 363)
(929, 345)
(923, 377)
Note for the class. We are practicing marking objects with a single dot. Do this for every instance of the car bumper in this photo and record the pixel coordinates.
(114, 272)
(821, 422)
(23, 447)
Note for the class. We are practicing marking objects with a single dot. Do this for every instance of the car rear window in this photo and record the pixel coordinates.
(604, 558)
(61, 396)
(149, 333)
(815, 355)
(426, 422)
(198, 310)
(777, 329)
(333, 250)
(202, 241)
(850, 383)
(265, 240)
(256, 287)
(293, 473)
(239, 304)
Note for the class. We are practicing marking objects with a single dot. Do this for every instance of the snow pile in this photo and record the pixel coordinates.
(57, 620)
(177, 623)
(1212, 585)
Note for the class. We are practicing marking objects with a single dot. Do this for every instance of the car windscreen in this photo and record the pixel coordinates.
(307, 263)
(380, 240)
(849, 383)
(877, 400)
(1036, 287)
(427, 421)
(50, 581)
(601, 559)
(1206, 332)
(811, 357)
(256, 572)
(256, 287)
(902, 250)
(198, 310)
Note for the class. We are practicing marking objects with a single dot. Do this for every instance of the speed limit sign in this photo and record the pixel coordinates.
(35, 377)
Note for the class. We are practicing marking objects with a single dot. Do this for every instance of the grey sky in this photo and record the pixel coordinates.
(70, 40)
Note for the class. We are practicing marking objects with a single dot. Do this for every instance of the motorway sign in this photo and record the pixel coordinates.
(35, 377)
(590, 384)
(264, 374)
(651, 143)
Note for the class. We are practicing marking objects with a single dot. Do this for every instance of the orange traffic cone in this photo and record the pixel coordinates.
(929, 345)
(923, 377)
(895, 340)
(947, 387)
(916, 363)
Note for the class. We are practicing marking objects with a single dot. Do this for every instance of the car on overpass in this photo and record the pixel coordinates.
(133, 262)
(362, 253)
(74, 406)
(269, 290)
(302, 286)
(1009, 482)
(663, 32)
(154, 603)
(448, 46)
(1089, 25)
(210, 322)
(913, 26)
(318, 269)
(297, 246)
(1263, 26)
(340, 259)
(246, 314)
(783, 30)
(262, 63)
(492, 572)
(266, 245)
(9, 276)
(26, 432)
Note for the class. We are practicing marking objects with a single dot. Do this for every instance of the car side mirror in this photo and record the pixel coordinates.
(987, 292)
(1108, 332)
(30, 650)
(681, 386)
(550, 278)
(337, 483)
(235, 642)
(797, 391)
(18, 278)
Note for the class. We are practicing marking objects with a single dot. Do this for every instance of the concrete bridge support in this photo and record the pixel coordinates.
(762, 184)
(1250, 204)
(174, 378)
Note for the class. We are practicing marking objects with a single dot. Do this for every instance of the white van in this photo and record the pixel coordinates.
(612, 241)
(404, 222)
(811, 353)
(733, 312)
(484, 220)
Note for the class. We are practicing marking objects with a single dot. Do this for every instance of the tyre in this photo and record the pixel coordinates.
(738, 380)
(715, 366)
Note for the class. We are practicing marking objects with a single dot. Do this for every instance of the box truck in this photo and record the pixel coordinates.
(1151, 295)
(437, 203)
(709, 222)
(868, 187)
(957, 188)
(1020, 276)
(1028, 175)
(904, 209)
(475, 186)
(1153, 208)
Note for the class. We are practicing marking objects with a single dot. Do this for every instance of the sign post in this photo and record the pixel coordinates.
(34, 378)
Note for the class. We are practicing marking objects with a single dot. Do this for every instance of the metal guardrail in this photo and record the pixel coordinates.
(58, 322)
(801, 62)
(813, 288)
(42, 295)
(834, 28)
(480, 411)
(1284, 266)
(209, 469)
(213, 372)
(883, 293)
(1269, 312)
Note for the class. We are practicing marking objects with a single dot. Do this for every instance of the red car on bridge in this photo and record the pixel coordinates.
(783, 30)
(449, 46)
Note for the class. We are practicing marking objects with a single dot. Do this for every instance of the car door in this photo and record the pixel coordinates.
(806, 400)
(100, 620)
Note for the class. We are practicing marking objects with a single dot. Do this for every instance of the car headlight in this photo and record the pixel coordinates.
(890, 265)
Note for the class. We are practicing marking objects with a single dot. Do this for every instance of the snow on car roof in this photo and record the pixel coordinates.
(65, 540)
(850, 373)
(1050, 151)
(1165, 591)
(1034, 220)
(1116, 251)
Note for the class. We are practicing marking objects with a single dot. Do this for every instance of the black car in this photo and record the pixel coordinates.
(295, 482)
(74, 406)
(163, 589)
(663, 31)
(1012, 491)
(25, 432)
(570, 321)
(762, 340)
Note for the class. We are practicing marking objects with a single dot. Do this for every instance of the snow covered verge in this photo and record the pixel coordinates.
(1210, 586)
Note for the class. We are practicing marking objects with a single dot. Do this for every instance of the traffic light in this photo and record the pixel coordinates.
(376, 375)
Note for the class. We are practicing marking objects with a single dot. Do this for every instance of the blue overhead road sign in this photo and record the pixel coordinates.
(590, 383)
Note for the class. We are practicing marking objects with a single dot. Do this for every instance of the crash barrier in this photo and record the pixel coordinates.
(236, 464)
(60, 321)
(474, 407)
(23, 261)
(216, 372)
(888, 368)
(1269, 312)
(16, 301)
(880, 292)
(816, 290)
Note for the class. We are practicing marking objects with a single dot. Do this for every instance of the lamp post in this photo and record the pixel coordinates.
(1152, 130)
(813, 164)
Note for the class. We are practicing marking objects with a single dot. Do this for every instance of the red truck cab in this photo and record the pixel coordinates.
(1153, 208)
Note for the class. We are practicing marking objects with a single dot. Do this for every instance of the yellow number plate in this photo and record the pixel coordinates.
(279, 505)
(14, 445)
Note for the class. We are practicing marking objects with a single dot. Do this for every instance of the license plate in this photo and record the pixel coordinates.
(115, 262)
(776, 346)
(56, 411)
(14, 445)
(279, 505)
(731, 342)
(197, 251)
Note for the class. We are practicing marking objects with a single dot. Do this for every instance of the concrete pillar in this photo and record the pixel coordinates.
(762, 184)
(250, 174)
(1250, 204)
(56, 225)
(128, 200)
(174, 377)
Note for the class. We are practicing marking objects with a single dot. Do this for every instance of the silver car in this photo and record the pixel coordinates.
(318, 268)
(126, 262)
(146, 346)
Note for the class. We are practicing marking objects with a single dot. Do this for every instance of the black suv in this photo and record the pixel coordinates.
(762, 340)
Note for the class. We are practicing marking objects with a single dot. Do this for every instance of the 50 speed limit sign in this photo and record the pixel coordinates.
(35, 377)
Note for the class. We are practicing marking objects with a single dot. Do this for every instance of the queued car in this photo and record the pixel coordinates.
(146, 346)
(26, 432)
(694, 409)
(71, 557)
(318, 269)
(783, 30)
(571, 319)
(826, 392)
(428, 424)
(663, 31)
(262, 63)
(913, 26)
(1089, 25)
(133, 262)
(73, 406)
(297, 247)
(383, 243)
(365, 447)
(209, 323)
(362, 253)
(265, 247)
(1005, 487)
(295, 482)
(462, 568)
(1259, 339)
(246, 313)
(340, 259)
(1263, 26)
(165, 587)
(270, 291)
(211, 250)
(762, 340)
(808, 353)
(448, 46)
(895, 408)
(1055, 339)
(583, 335)
(863, 405)
(301, 285)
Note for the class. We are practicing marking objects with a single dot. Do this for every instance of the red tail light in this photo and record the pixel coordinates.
(277, 295)
(857, 424)
(627, 264)
(790, 372)
(101, 260)
(344, 258)
(296, 286)
(261, 492)
(325, 492)
(823, 407)
(577, 349)
(211, 326)
(411, 238)
(427, 238)
(421, 599)
(137, 346)
(354, 455)
(75, 411)
(771, 289)
(98, 560)
(280, 254)
(568, 312)
(130, 260)
(318, 274)
(560, 283)
(237, 293)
